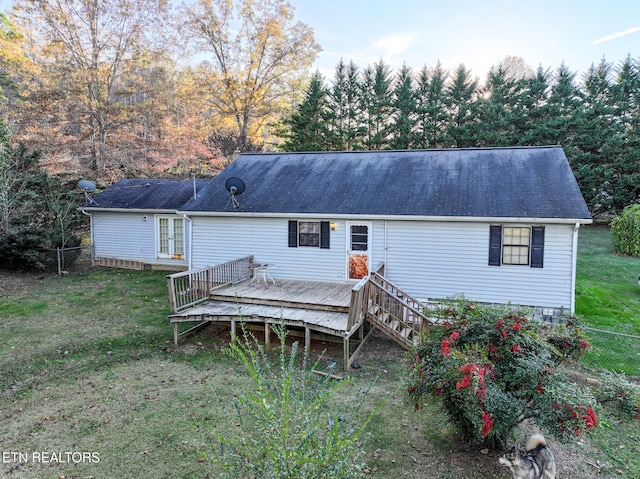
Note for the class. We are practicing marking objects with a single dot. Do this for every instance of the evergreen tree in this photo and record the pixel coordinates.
(404, 108)
(344, 103)
(376, 100)
(460, 98)
(598, 140)
(534, 96)
(499, 119)
(308, 125)
(36, 212)
(432, 110)
(625, 93)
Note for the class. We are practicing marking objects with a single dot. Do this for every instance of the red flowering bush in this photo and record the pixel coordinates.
(493, 368)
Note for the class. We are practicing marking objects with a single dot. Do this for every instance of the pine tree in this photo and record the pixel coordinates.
(344, 101)
(460, 98)
(499, 120)
(432, 110)
(404, 110)
(307, 126)
(376, 105)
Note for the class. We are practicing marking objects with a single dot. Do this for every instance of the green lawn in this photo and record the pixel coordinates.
(87, 365)
(608, 298)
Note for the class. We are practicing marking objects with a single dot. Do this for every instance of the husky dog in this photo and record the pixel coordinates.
(536, 463)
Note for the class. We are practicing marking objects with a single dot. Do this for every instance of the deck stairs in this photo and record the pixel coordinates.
(394, 312)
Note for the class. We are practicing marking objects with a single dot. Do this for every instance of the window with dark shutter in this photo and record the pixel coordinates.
(537, 246)
(325, 234)
(495, 245)
(293, 234)
(309, 233)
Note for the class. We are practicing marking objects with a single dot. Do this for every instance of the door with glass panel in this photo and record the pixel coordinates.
(170, 237)
(358, 249)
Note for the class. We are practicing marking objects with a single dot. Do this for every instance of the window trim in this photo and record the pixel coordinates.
(536, 245)
(171, 254)
(294, 234)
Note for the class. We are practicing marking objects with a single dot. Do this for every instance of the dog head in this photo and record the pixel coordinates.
(509, 458)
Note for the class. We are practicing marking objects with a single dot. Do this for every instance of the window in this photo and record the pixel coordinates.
(516, 245)
(170, 237)
(309, 233)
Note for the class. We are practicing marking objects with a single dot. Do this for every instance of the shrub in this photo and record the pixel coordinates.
(288, 429)
(616, 389)
(625, 231)
(492, 368)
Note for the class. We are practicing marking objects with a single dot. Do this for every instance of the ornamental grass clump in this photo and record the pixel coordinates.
(287, 426)
(493, 368)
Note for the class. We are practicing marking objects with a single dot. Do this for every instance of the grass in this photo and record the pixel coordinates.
(608, 298)
(87, 364)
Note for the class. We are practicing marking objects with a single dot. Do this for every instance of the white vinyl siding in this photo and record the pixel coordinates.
(129, 236)
(439, 260)
(430, 260)
(217, 240)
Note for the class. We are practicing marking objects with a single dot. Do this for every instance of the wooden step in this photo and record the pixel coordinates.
(394, 325)
(406, 332)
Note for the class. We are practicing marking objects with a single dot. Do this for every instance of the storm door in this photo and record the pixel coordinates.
(358, 249)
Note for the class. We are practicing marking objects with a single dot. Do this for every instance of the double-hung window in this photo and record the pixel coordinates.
(516, 245)
(309, 233)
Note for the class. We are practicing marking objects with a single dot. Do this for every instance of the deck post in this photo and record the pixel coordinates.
(307, 340)
(267, 335)
(176, 333)
(233, 330)
(347, 364)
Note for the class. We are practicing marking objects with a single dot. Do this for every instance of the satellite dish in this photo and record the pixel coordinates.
(235, 186)
(87, 185)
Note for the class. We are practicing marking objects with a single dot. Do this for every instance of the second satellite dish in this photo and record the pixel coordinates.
(87, 185)
(235, 186)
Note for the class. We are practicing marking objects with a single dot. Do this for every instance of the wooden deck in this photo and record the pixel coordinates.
(323, 307)
(227, 293)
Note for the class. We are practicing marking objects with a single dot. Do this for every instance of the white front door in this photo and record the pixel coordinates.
(358, 249)
(170, 237)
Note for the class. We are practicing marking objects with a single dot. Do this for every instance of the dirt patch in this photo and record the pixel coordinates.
(12, 283)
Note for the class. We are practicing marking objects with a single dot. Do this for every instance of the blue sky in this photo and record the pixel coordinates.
(476, 33)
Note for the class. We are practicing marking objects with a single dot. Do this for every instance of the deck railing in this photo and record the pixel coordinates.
(192, 287)
(394, 311)
(359, 299)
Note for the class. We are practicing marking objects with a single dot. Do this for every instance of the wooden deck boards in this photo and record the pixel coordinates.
(289, 293)
(321, 306)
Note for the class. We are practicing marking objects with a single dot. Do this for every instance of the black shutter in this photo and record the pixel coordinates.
(324, 234)
(293, 234)
(537, 246)
(495, 245)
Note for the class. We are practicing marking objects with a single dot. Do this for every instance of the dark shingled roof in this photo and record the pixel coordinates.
(152, 194)
(525, 182)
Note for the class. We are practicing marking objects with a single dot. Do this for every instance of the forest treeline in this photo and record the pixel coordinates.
(595, 118)
(142, 88)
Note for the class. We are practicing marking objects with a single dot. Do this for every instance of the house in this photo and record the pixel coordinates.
(499, 225)
(134, 224)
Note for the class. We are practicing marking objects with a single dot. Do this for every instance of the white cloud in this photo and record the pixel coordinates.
(394, 45)
(613, 36)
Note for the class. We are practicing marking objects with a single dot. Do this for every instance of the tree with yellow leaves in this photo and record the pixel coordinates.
(258, 58)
